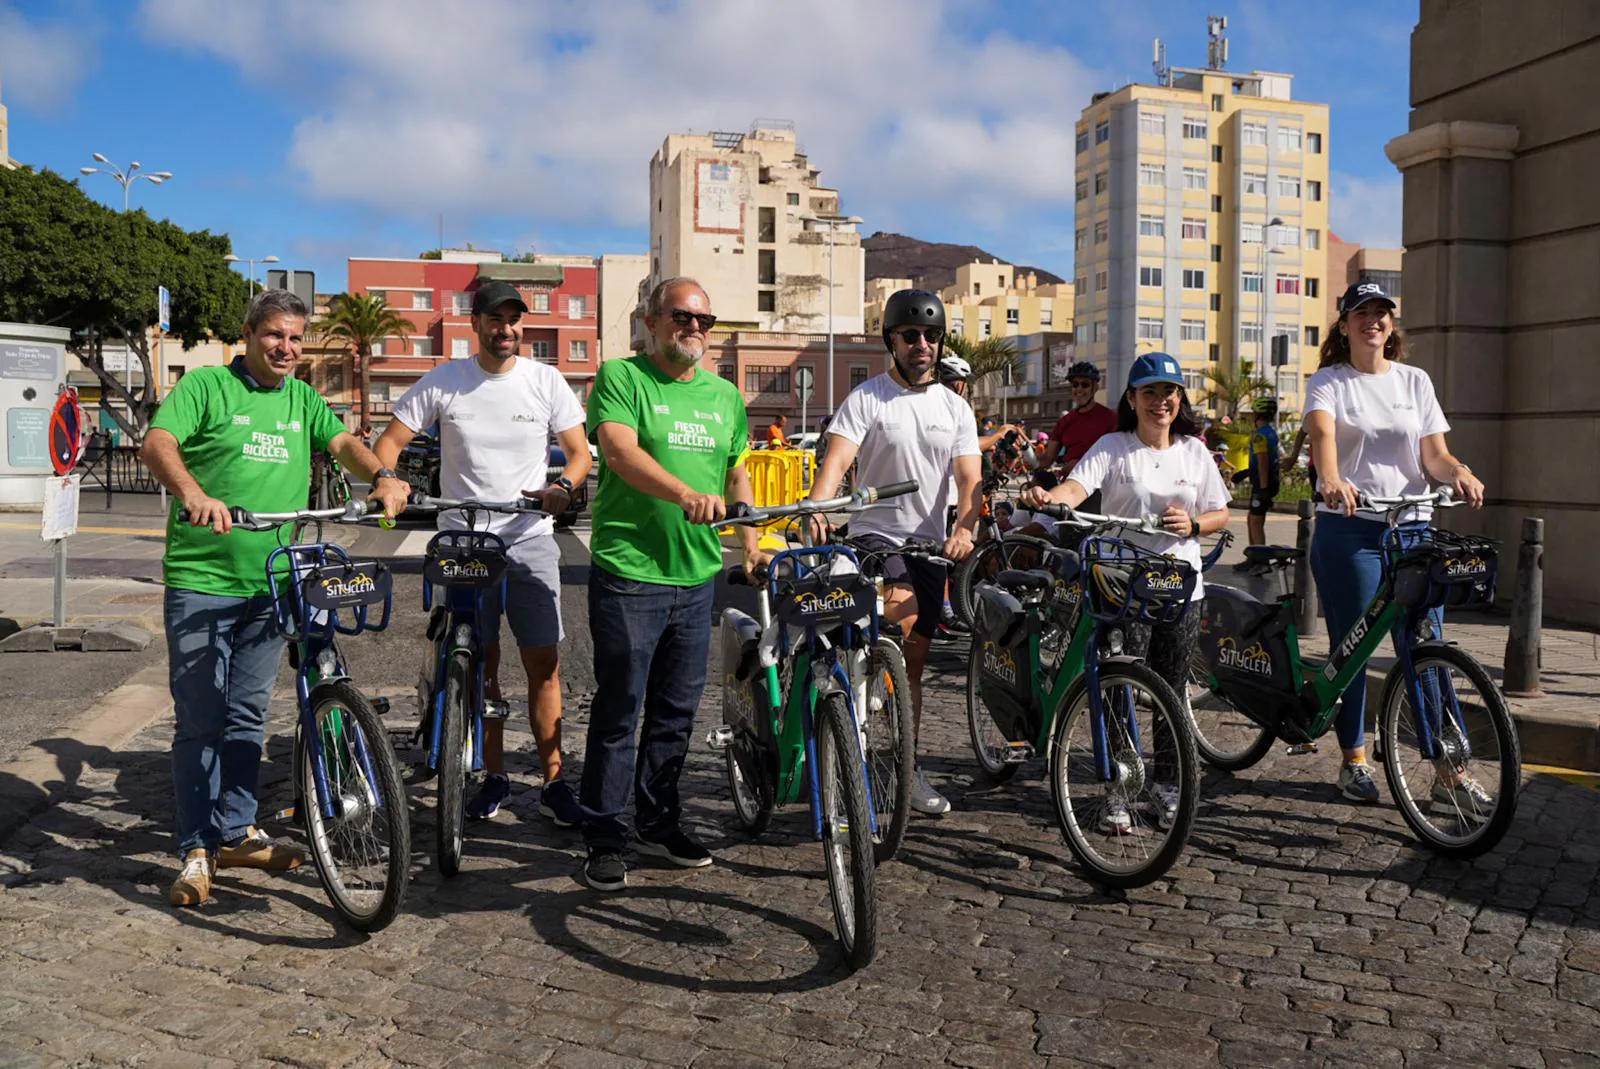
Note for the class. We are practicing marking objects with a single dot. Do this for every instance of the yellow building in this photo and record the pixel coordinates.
(986, 300)
(5, 158)
(1202, 212)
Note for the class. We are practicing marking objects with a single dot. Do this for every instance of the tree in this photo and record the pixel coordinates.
(1229, 390)
(991, 356)
(361, 320)
(69, 261)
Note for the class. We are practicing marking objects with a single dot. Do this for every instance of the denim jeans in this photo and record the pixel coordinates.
(1347, 561)
(650, 642)
(222, 655)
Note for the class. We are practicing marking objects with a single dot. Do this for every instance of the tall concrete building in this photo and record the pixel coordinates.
(747, 216)
(987, 300)
(1502, 235)
(5, 157)
(1202, 211)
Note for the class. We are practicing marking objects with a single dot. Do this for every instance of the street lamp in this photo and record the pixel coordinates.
(833, 222)
(125, 178)
(1261, 339)
(232, 259)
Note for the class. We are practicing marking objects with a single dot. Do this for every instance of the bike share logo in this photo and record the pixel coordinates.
(810, 604)
(1069, 593)
(1253, 658)
(348, 586)
(451, 568)
(1164, 582)
(999, 663)
(1466, 568)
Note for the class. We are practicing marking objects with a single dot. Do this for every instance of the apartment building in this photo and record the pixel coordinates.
(1202, 212)
(5, 157)
(987, 300)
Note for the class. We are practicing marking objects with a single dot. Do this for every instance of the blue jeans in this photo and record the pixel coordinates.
(650, 642)
(1347, 560)
(222, 655)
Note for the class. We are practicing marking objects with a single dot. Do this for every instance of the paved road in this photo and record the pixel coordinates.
(1298, 930)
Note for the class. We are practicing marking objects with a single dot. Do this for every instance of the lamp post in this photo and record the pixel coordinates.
(1261, 337)
(833, 222)
(232, 259)
(125, 178)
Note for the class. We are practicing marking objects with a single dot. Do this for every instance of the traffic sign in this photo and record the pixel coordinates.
(164, 301)
(803, 381)
(66, 432)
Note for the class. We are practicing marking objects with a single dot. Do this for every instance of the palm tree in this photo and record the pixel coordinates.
(361, 320)
(1231, 389)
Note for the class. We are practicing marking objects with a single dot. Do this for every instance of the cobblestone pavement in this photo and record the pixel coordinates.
(1297, 930)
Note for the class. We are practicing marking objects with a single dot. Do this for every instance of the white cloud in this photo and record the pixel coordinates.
(1366, 211)
(41, 65)
(552, 110)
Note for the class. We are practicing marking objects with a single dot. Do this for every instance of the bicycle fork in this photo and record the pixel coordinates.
(1430, 700)
(1107, 766)
(829, 676)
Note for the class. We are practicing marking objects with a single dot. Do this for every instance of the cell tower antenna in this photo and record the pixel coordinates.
(1217, 44)
(1159, 61)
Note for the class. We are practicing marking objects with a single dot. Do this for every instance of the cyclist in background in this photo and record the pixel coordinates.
(1080, 427)
(1263, 469)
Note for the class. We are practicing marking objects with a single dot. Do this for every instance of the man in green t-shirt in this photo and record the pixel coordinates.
(240, 435)
(672, 443)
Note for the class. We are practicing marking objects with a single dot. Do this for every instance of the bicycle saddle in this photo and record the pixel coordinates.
(1273, 554)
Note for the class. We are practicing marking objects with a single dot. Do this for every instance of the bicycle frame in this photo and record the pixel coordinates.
(463, 630)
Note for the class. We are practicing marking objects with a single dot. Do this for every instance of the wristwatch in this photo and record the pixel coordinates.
(384, 473)
(565, 484)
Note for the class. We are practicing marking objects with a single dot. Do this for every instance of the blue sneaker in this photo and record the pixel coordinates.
(560, 805)
(486, 803)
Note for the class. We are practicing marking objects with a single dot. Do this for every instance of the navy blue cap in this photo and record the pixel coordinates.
(1154, 367)
(1362, 292)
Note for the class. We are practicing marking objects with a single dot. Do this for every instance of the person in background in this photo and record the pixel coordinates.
(1262, 474)
(775, 437)
(1079, 427)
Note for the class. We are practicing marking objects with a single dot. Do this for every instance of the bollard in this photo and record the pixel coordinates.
(1305, 591)
(1527, 614)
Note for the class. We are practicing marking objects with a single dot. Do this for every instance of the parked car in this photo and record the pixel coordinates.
(419, 466)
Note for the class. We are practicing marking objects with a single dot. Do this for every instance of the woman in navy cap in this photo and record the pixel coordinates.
(1155, 464)
(1376, 429)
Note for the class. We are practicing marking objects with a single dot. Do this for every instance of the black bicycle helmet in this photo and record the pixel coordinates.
(1083, 370)
(911, 308)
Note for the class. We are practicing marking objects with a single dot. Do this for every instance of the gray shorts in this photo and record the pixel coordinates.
(533, 594)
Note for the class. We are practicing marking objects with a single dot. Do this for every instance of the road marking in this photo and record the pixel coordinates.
(93, 530)
(414, 544)
(1571, 775)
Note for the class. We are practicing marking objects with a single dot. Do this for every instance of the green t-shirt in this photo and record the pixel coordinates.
(248, 446)
(695, 429)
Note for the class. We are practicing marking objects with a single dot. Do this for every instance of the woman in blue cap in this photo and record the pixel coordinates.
(1376, 429)
(1155, 464)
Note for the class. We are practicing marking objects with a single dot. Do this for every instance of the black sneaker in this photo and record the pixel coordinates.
(677, 848)
(606, 870)
(560, 805)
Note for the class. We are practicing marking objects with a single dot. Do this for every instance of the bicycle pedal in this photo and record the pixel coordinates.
(381, 706)
(1295, 749)
(1018, 752)
(282, 816)
(496, 709)
(719, 738)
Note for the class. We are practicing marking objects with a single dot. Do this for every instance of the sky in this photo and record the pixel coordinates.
(317, 130)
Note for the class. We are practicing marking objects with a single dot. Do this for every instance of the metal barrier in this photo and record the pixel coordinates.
(1526, 640)
(115, 469)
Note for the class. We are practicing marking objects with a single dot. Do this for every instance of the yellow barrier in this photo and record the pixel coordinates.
(778, 477)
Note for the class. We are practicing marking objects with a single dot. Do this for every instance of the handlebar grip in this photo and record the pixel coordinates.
(236, 514)
(909, 486)
(738, 510)
(1055, 510)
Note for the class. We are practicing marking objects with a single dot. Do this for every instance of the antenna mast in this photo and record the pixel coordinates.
(1217, 44)
(1159, 61)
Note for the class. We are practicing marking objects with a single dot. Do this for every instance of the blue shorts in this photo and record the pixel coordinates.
(533, 595)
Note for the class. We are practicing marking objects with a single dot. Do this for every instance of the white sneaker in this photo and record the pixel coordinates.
(1467, 795)
(924, 799)
(1165, 798)
(1114, 819)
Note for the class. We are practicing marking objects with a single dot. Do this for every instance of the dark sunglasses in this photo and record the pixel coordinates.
(910, 335)
(1080, 384)
(705, 320)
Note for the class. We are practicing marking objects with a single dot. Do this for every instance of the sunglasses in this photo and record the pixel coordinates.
(1081, 384)
(705, 320)
(910, 335)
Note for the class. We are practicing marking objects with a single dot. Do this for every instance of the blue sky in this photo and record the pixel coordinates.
(316, 130)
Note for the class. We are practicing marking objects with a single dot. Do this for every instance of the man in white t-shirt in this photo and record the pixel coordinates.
(904, 425)
(496, 414)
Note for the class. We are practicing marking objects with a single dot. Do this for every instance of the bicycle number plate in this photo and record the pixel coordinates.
(332, 587)
(815, 603)
(464, 566)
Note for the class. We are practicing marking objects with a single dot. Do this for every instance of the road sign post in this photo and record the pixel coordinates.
(804, 379)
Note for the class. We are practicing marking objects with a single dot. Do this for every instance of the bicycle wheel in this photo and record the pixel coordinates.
(989, 744)
(363, 852)
(455, 758)
(1461, 804)
(985, 563)
(1224, 737)
(1127, 830)
(846, 832)
(891, 745)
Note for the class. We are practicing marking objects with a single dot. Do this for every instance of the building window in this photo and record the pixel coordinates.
(377, 347)
(1313, 336)
(575, 307)
(421, 346)
(1193, 383)
(766, 380)
(1216, 302)
(1216, 202)
(767, 225)
(1152, 174)
(793, 199)
(1250, 282)
(1078, 238)
(1255, 133)
(422, 301)
(1216, 101)
(1099, 330)
(540, 351)
(958, 326)
(1313, 189)
(1080, 191)
(1192, 330)
(1290, 335)
(1083, 140)
(1195, 128)
(540, 301)
(1389, 280)
(176, 372)
(767, 267)
(1250, 233)
(766, 301)
(1100, 281)
(1255, 184)
(1314, 143)
(1149, 276)
(1216, 254)
(1313, 239)
(1102, 232)
(1194, 229)
(729, 371)
(1152, 124)
(858, 375)
(1102, 182)
(461, 304)
(578, 352)
(1194, 178)
(1011, 315)
(1214, 352)
(1288, 139)
(1102, 131)
(1216, 153)
(1283, 236)
(1250, 333)
(1194, 278)
(1152, 328)
(1312, 288)
(1289, 187)
(1288, 284)
(985, 329)
(1152, 226)
(460, 348)
(1047, 317)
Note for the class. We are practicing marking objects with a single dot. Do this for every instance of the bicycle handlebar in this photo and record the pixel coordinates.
(1442, 497)
(742, 514)
(354, 512)
(526, 506)
(1064, 513)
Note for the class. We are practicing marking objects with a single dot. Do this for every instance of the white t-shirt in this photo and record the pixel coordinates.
(906, 434)
(1379, 422)
(1136, 480)
(494, 434)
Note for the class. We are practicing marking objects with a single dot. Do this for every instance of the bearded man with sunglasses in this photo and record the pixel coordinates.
(672, 441)
(905, 425)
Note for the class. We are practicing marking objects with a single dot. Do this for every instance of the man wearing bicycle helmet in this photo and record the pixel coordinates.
(1083, 424)
(904, 426)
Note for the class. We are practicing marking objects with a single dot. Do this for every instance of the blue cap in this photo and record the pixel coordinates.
(1362, 292)
(1154, 367)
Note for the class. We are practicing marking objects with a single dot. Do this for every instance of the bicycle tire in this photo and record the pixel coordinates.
(980, 565)
(842, 800)
(982, 729)
(891, 766)
(1153, 855)
(1233, 742)
(450, 816)
(360, 810)
(1491, 722)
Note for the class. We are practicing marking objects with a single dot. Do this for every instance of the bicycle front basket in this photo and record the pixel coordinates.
(1129, 582)
(346, 585)
(1442, 568)
(472, 559)
(821, 601)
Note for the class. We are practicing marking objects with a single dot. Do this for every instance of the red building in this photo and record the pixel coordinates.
(767, 368)
(560, 329)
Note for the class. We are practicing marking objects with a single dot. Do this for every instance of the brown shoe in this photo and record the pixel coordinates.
(258, 851)
(193, 885)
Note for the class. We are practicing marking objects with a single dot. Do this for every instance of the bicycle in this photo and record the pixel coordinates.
(1048, 673)
(348, 791)
(330, 486)
(804, 717)
(1259, 687)
(450, 690)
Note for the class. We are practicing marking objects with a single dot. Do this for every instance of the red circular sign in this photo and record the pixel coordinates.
(66, 432)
